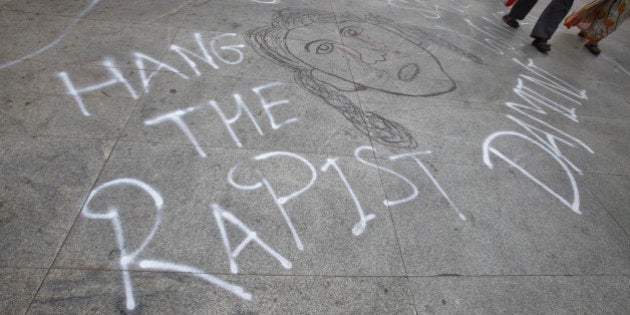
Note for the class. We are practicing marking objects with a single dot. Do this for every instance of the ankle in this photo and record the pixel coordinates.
(539, 39)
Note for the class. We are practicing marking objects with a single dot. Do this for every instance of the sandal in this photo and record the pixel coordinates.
(510, 21)
(592, 47)
(541, 45)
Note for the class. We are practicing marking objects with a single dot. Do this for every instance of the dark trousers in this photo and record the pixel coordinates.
(548, 21)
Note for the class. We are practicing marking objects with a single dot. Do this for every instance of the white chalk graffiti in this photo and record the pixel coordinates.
(241, 107)
(128, 258)
(117, 77)
(414, 195)
(358, 228)
(279, 200)
(496, 36)
(266, 105)
(267, 1)
(430, 10)
(617, 67)
(357, 153)
(546, 139)
(176, 117)
(56, 41)
(491, 33)
(140, 58)
(221, 215)
(414, 156)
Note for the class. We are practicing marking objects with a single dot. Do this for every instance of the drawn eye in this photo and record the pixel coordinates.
(324, 48)
(351, 31)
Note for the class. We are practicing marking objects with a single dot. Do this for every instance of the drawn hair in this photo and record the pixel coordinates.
(270, 42)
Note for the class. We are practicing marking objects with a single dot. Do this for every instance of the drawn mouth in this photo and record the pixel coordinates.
(408, 72)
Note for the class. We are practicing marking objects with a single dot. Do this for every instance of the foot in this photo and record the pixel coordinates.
(541, 45)
(510, 21)
(581, 34)
(592, 47)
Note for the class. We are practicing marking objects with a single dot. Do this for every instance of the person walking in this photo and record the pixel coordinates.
(597, 20)
(547, 23)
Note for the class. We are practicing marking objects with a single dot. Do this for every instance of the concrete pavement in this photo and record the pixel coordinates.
(309, 156)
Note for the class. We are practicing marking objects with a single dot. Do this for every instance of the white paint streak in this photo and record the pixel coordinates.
(279, 200)
(117, 78)
(128, 259)
(494, 49)
(534, 99)
(56, 41)
(222, 215)
(295, 194)
(551, 82)
(232, 48)
(184, 53)
(616, 65)
(386, 202)
(176, 117)
(267, 105)
(358, 228)
(113, 216)
(140, 58)
(494, 42)
(240, 108)
(547, 139)
(414, 156)
(230, 179)
(167, 266)
(430, 10)
(487, 149)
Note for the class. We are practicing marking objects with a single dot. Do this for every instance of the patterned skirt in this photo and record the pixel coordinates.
(599, 18)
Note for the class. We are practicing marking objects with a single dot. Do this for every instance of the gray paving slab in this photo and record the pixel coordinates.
(233, 57)
(286, 126)
(38, 209)
(612, 192)
(55, 115)
(188, 217)
(88, 41)
(36, 100)
(235, 16)
(521, 295)
(464, 247)
(21, 80)
(101, 292)
(342, 156)
(18, 288)
(58, 8)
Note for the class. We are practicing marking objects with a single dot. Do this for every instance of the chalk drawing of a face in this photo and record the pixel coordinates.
(390, 64)
(382, 55)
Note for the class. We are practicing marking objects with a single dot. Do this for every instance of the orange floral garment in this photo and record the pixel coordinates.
(599, 18)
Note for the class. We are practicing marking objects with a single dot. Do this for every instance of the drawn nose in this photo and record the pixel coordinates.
(371, 55)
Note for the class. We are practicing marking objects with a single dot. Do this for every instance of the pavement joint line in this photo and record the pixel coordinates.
(380, 176)
(597, 199)
(226, 274)
(609, 131)
(85, 18)
(258, 150)
(100, 173)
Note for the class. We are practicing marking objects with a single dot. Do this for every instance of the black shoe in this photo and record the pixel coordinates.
(510, 21)
(541, 45)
